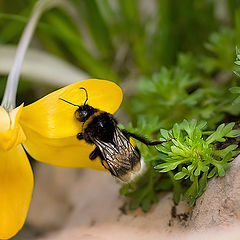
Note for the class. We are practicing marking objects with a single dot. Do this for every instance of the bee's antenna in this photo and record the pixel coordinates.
(86, 95)
(69, 102)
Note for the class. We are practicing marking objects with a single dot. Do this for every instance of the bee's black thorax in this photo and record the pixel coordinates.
(96, 124)
(101, 127)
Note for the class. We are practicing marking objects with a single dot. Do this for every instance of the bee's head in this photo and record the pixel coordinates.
(84, 112)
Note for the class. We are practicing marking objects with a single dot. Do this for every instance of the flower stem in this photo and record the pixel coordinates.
(9, 98)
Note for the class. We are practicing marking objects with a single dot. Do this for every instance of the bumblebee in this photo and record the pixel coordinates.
(118, 155)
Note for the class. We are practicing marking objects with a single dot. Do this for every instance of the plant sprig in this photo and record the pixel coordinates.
(192, 156)
(189, 159)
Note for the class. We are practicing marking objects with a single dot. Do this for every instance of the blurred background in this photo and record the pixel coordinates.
(173, 59)
(181, 51)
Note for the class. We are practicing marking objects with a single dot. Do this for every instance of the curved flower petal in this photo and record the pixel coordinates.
(53, 118)
(11, 133)
(16, 184)
(64, 152)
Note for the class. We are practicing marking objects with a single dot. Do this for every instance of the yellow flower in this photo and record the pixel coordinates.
(16, 176)
(47, 128)
(51, 127)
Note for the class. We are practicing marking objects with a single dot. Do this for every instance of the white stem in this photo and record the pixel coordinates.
(9, 98)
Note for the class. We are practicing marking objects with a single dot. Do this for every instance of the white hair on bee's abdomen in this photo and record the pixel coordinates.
(133, 175)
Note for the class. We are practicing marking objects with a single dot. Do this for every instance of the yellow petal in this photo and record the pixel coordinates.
(16, 184)
(11, 133)
(64, 152)
(5, 121)
(53, 118)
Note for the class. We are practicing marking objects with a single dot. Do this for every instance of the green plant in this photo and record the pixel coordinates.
(197, 88)
(179, 94)
(189, 158)
(192, 156)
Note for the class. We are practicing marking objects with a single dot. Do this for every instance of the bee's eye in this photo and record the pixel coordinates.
(81, 115)
(84, 113)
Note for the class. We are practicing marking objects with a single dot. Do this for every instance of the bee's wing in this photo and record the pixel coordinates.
(121, 157)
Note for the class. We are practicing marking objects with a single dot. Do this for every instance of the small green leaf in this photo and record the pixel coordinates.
(212, 173)
(177, 150)
(223, 152)
(237, 100)
(165, 134)
(179, 175)
(186, 125)
(167, 166)
(202, 124)
(202, 184)
(222, 131)
(220, 170)
(189, 127)
(190, 167)
(197, 133)
(124, 189)
(235, 89)
(176, 131)
(192, 191)
(233, 133)
(204, 168)
(197, 171)
(176, 195)
(146, 204)
(228, 128)
(165, 184)
(236, 72)
(134, 204)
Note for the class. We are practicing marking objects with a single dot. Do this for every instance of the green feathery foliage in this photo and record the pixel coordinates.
(184, 163)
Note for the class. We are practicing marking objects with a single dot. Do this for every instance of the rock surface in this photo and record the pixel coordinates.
(220, 203)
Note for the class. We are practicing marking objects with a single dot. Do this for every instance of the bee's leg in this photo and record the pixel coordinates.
(80, 136)
(93, 155)
(142, 139)
(96, 153)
